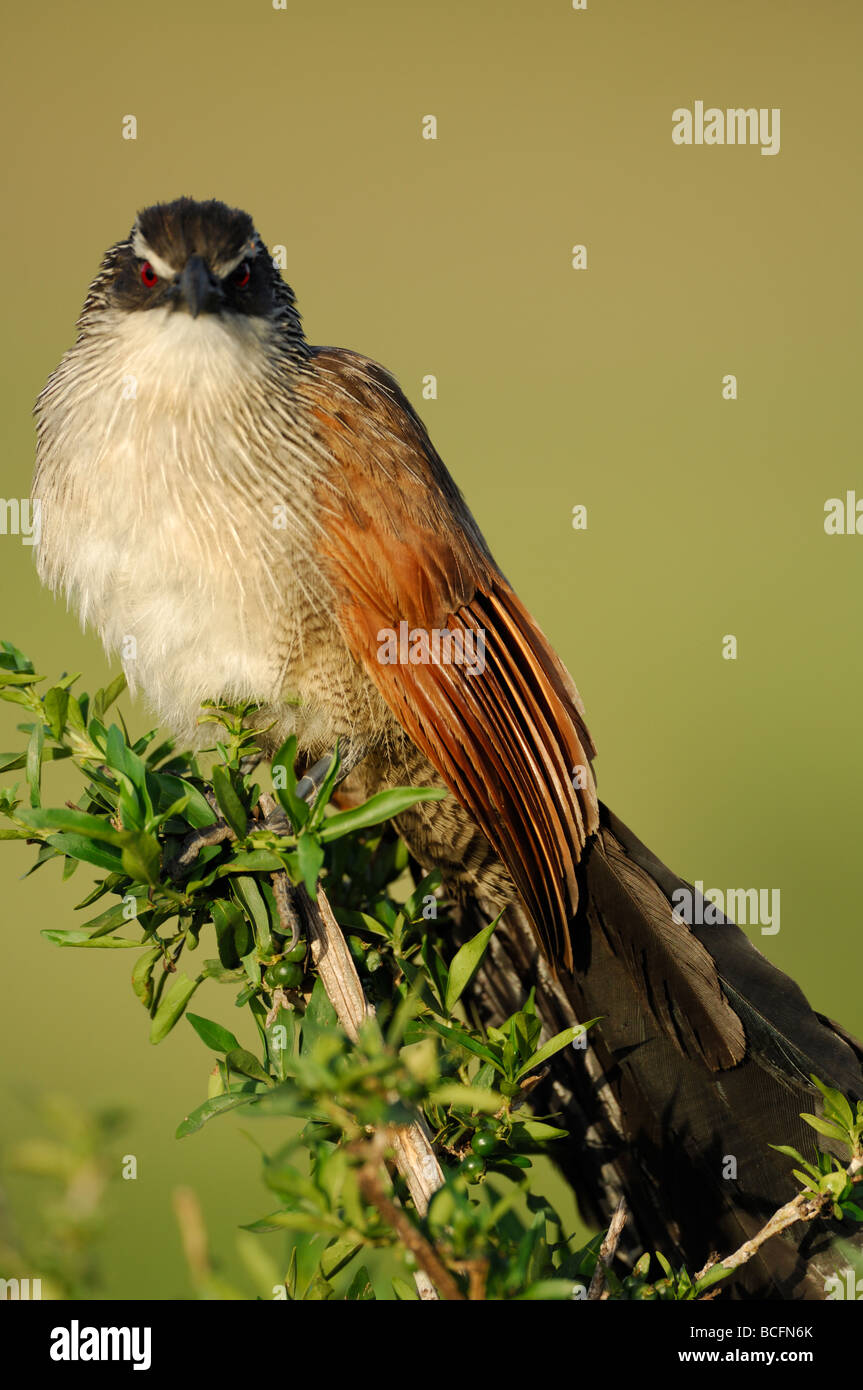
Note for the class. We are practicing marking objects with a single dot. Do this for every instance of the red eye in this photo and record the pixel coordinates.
(242, 275)
(148, 275)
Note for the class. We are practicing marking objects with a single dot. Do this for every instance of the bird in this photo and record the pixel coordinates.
(244, 516)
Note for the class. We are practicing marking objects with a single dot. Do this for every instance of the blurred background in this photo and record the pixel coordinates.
(556, 387)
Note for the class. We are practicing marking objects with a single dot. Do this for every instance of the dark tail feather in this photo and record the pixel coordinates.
(701, 1062)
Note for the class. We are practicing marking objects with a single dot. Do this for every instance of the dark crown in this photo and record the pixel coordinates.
(175, 231)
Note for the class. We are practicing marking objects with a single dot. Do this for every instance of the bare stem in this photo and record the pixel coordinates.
(414, 1156)
(608, 1250)
(804, 1207)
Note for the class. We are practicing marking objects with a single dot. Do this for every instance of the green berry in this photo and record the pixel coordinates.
(297, 954)
(472, 1167)
(484, 1143)
(287, 973)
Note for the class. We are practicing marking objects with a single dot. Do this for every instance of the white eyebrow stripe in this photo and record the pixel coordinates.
(145, 253)
(225, 268)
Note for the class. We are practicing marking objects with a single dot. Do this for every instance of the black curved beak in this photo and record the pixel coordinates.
(199, 288)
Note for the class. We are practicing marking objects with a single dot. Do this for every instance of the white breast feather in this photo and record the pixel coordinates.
(158, 508)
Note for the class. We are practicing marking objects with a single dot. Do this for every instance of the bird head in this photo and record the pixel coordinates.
(194, 258)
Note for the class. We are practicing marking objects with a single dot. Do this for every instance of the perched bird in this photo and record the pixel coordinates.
(244, 516)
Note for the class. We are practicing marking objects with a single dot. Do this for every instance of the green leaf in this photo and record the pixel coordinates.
(18, 678)
(229, 803)
(80, 848)
(467, 1098)
(383, 806)
(34, 763)
(14, 659)
(834, 1182)
(16, 697)
(337, 1256)
(539, 1131)
(83, 938)
(121, 759)
(466, 963)
(169, 790)
(250, 896)
(826, 1127)
(294, 807)
(104, 699)
(325, 790)
(251, 861)
(291, 1276)
(56, 702)
(788, 1152)
(11, 762)
(458, 1035)
(279, 1037)
(412, 906)
(248, 1065)
(75, 714)
(836, 1103)
(280, 1100)
(233, 934)
(252, 967)
(403, 1292)
(217, 1105)
(318, 1291)
(360, 1288)
(213, 1034)
(320, 1017)
(171, 1005)
(809, 1180)
(351, 920)
(311, 858)
(78, 823)
(712, 1277)
(555, 1044)
(547, 1290)
(117, 915)
(291, 1221)
(142, 974)
(141, 856)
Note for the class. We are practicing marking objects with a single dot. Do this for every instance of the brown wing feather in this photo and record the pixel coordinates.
(401, 545)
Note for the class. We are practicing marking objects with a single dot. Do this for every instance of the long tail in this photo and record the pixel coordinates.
(702, 1060)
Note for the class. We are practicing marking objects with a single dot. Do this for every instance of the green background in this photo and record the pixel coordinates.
(556, 387)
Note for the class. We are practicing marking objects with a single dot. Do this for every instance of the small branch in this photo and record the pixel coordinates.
(804, 1207)
(286, 907)
(196, 841)
(334, 963)
(414, 1155)
(369, 1179)
(415, 1158)
(608, 1250)
(416, 1161)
